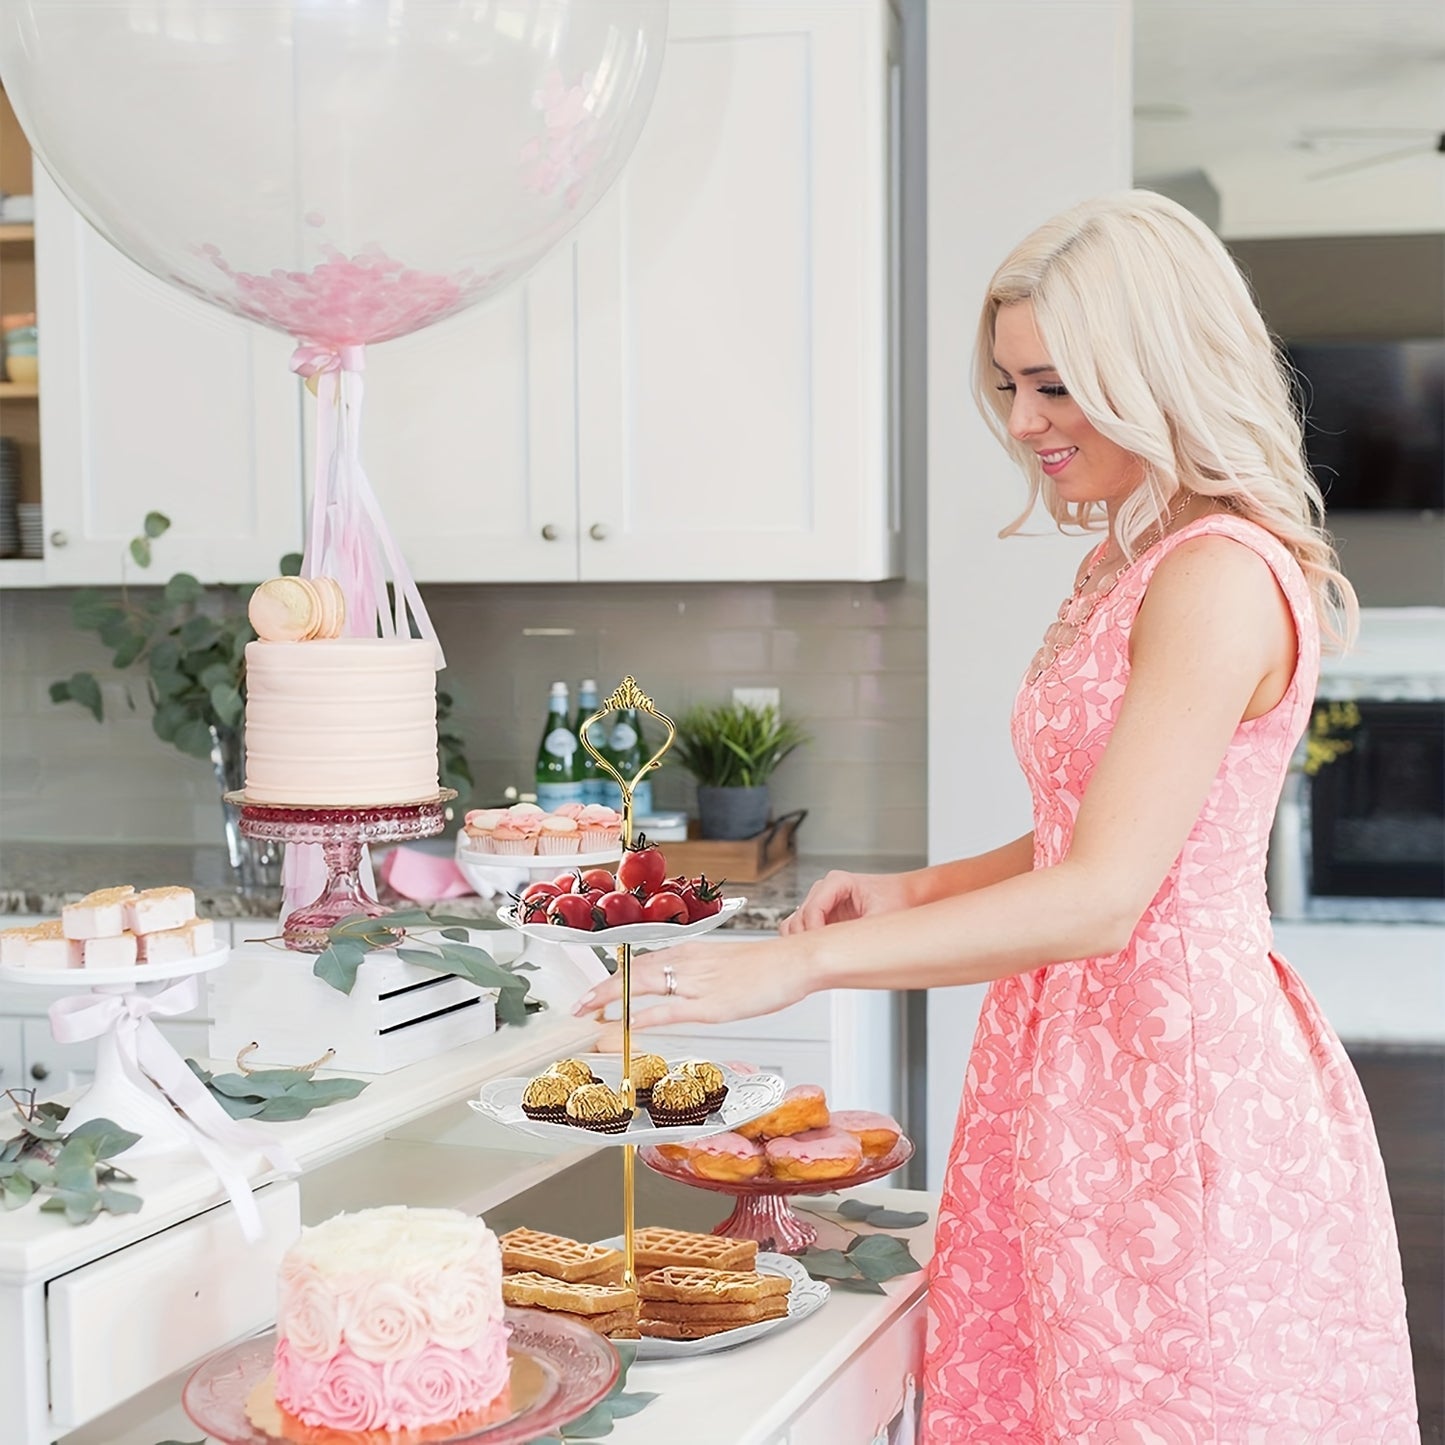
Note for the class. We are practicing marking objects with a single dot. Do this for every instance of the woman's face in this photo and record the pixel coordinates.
(1085, 465)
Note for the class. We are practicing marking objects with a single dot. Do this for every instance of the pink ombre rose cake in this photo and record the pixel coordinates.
(391, 1319)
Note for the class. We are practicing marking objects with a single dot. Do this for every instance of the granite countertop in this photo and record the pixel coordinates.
(37, 878)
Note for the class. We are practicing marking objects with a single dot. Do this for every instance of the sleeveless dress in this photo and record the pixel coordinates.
(1165, 1217)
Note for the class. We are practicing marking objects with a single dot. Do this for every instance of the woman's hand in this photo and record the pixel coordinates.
(708, 983)
(838, 897)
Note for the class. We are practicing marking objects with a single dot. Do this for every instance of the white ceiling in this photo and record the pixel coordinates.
(1255, 77)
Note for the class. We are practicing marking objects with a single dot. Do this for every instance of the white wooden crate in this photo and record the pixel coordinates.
(396, 1014)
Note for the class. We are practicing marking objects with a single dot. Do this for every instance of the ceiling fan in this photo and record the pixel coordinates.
(1422, 142)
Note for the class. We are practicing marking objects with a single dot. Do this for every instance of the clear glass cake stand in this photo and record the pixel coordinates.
(341, 832)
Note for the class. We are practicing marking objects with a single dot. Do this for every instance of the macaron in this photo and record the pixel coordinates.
(297, 609)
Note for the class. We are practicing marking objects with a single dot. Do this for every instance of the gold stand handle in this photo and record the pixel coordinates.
(627, 695)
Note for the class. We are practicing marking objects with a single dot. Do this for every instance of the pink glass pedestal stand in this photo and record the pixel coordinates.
(762, 1211)
(342, 833)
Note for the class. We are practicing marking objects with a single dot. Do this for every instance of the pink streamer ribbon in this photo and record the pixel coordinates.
(153, 1066)
(348, 538)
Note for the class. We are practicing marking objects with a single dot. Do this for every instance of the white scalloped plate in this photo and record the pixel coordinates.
(80, 979)
(648, 935)
(749, 1095)
(807, 1296)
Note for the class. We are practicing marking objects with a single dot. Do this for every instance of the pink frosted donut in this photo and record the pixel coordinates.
(877, 1133)
(803, 1107)
(728, 1157)
(816, 1154)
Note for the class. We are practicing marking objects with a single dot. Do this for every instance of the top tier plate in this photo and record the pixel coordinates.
(542, 864)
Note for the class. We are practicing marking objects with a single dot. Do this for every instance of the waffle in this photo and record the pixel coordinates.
(560, 1257)
(672, 1330)
(616, 1324)
(659, 1248)
(737, 1313)
(578, 1297)
(686, 1285)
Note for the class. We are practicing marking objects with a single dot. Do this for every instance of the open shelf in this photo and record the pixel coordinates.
(16, 231)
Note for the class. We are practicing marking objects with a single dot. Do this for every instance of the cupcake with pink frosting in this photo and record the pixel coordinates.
(479, 825)
(601, 827)
(558, 835)
(517, 833)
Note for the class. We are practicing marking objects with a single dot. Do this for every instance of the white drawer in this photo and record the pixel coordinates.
(126, 1321)
(865, 1401)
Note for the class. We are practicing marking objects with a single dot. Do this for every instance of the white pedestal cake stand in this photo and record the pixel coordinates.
(122, 1091)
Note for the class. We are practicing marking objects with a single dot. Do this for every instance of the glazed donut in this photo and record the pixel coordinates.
(816, 1154)
(804, 1106)
(877, 1133)
(728, 1157)
(675, 1153)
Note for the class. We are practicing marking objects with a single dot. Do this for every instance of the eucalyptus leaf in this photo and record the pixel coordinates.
(75, 1164)
(215, 674)
(60, 691)
(155, 524)
(85, 690)
(882, 1256)
(42, 1125)
(856, 1209)
(204, 1075)
(827, 1264)
(110, 1139)
(457, 935)
(114, 628)
(140, 551)
(194, 738)
(115, 1201)
(226, 702)
(250, 1086)
(327, 1091)
(89, 607)
(284, 1110)
(38, 1171)
(130, 647)
(596, 1424)
(514, 1007)
(291, 565)
(170, 684)
(883, 1218)
(165, 656)
(338, 964)
(183, 588)
(15, 1191)
(624, 1405)
(240, 1108)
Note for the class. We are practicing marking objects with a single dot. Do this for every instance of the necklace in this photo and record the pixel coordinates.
(1080, 605)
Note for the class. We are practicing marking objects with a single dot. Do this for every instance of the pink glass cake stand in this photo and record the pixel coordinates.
(342, 833)
(762, 1211)
(560, 1370)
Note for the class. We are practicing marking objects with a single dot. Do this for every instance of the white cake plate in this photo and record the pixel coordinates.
(564, 969)
(117, 1093)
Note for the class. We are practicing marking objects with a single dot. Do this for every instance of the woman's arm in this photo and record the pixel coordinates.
(1208, 632)
(967, 875)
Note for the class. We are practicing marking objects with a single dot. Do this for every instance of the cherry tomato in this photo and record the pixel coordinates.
(598, 878)
(534, 910)
(566, 882)
(541, 889)
(642, 867)
(664, 908)
(676, 885)
(595, 895)
(571, 910)
(703, 899)
(619, 909)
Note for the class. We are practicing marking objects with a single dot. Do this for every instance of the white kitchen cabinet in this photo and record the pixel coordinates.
(12, 1054)
(702, 386)
(153, 401)
(736, 358)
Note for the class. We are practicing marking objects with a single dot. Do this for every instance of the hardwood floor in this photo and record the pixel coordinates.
(1406, 1091)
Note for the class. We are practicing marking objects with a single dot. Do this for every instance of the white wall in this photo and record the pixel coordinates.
(1029, 111)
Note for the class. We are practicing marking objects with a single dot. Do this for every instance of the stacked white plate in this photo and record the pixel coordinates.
(32, 529)
(9, 497)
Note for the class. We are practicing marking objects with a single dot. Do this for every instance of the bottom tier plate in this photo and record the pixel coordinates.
(559, 1371)
(807, 1296)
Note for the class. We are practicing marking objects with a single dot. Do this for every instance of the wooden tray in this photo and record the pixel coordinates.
(742, 860)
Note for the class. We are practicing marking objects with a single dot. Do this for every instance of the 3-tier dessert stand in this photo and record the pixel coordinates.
(749, 1096)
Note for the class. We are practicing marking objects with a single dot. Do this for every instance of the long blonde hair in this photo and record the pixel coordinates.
(1155, 334)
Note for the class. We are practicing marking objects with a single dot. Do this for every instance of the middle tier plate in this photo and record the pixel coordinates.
(749, 1095)
(641, 935)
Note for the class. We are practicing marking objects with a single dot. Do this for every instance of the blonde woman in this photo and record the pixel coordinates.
(1165, 1216)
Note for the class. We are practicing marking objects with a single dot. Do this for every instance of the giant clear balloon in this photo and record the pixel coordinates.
(345, 171)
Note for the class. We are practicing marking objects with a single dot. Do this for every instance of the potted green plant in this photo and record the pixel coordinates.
(189, 642)
(731, 749)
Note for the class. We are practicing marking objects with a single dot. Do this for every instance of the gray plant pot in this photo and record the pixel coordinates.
(732, 812)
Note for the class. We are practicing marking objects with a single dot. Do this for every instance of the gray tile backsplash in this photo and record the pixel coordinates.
(848, 658)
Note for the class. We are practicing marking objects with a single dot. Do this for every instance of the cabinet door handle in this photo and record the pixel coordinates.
(597, 532)
(39, 1072)
(59, 539)
(549, 533)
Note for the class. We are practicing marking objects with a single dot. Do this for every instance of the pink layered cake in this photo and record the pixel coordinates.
(391, 1319)
(345, 720)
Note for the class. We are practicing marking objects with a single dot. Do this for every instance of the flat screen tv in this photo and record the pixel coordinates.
(1375, 422)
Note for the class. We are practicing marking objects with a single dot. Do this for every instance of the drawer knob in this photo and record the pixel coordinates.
(597, 532)
(59, 539)
(549, 533)
(39, 1072)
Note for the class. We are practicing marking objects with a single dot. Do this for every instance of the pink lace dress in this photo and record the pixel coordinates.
(1165, 1217)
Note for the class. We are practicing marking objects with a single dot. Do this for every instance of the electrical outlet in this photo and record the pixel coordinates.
(759, 697)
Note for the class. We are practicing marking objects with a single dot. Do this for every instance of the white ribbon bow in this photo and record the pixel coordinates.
(151, 1064)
